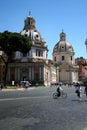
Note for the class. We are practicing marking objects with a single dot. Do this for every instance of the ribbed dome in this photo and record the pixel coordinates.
(32, 34)
(63, 45)
(31, 31)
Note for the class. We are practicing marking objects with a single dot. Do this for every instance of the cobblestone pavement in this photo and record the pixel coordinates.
(37, 110)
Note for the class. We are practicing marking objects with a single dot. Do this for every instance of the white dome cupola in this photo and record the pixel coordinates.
(63, 51)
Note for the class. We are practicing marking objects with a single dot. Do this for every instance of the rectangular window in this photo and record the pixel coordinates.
(63, 58)
(71, 57)
(54, 58)
(24, 54)
(39, 53)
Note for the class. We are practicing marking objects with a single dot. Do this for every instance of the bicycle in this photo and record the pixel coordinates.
(63, 95)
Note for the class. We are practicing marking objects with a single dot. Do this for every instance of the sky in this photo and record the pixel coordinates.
(51, 16)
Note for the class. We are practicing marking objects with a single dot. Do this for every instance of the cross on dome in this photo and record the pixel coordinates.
(29, 13)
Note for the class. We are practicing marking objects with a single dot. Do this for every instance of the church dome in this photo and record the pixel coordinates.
(30, 31)
(63, 45)
(33, 35)
(39, 49)
(63, 51)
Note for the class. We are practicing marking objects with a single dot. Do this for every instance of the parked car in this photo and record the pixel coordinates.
(25, 84)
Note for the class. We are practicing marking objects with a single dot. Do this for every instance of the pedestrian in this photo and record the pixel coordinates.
(85, 90)
(78, 91)
(1, 87)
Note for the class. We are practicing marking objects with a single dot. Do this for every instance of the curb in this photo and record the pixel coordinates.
(21, 89)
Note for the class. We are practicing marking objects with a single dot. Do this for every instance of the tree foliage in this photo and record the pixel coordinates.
(12, 42)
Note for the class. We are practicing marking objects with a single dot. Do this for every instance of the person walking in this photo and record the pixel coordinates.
(85, 90)
(78, 91)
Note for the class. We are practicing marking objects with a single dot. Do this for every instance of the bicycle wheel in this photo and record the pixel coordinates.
(64, 95)
(55, 95)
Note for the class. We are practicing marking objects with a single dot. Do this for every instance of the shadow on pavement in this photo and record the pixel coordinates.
(79, 100)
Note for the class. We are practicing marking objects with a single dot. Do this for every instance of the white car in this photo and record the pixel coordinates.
(25, 83)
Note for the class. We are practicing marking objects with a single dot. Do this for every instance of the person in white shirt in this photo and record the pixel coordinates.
(59, 89)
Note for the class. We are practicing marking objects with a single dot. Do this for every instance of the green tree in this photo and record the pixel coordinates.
(12, 42)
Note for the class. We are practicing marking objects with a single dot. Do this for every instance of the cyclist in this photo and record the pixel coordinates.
(59, 89)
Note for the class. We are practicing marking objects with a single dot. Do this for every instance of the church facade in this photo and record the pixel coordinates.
(63, 56)
(35, 65)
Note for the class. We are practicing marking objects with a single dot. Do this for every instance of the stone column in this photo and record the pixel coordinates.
(8, 75)
(30, 78)
(18, 74)
(32, 73)
(41, 72)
